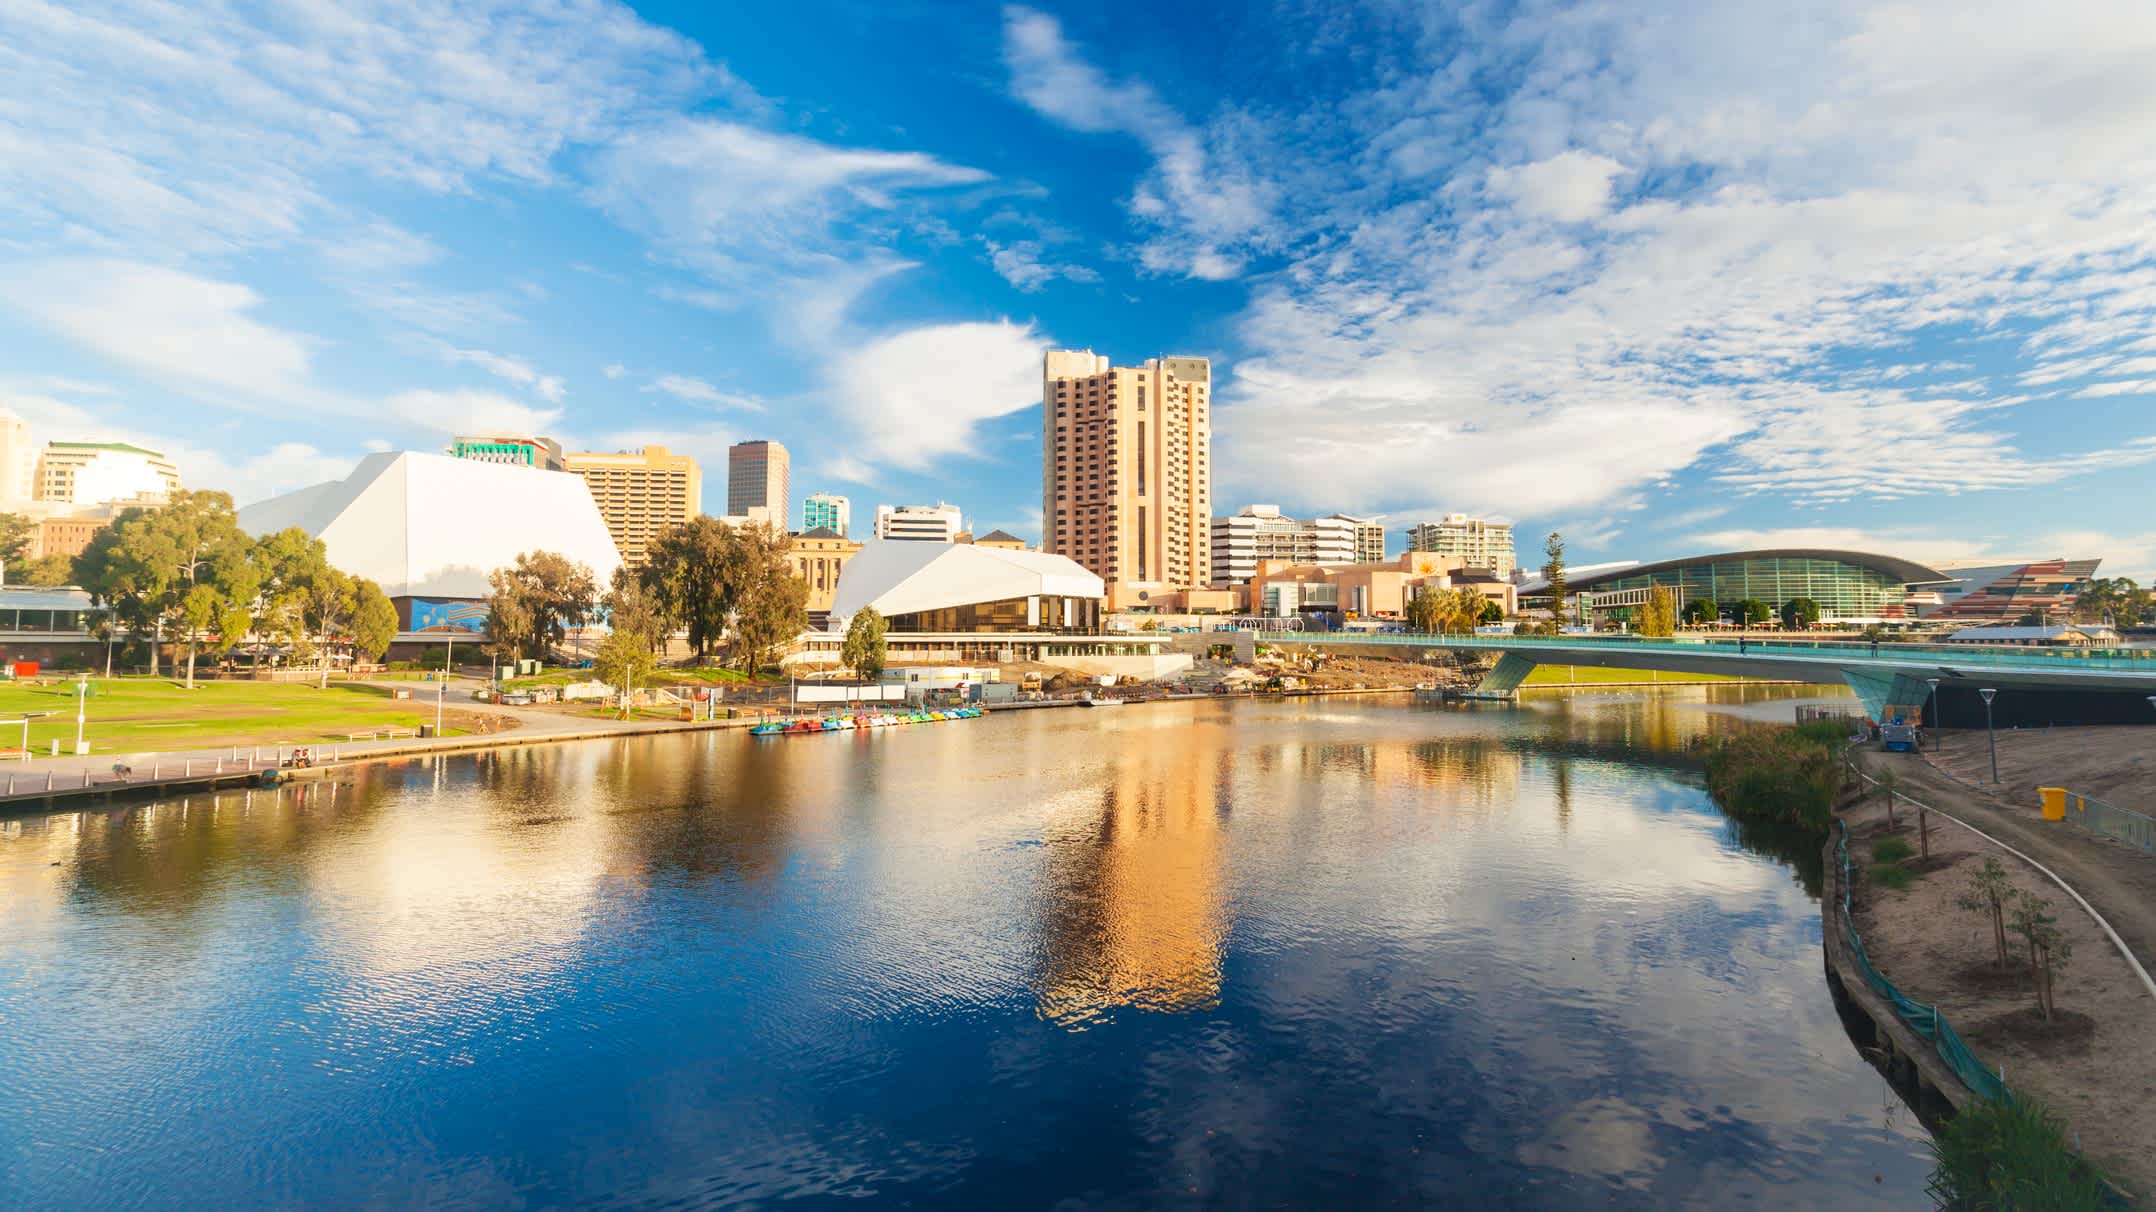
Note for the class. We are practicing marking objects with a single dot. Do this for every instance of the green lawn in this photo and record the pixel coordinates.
(1586, 675)
(146, 715)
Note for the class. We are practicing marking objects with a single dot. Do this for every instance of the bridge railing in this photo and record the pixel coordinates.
(2129, 660)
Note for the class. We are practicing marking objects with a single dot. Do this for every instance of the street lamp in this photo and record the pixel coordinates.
(82, 700)
(442, 688)
(1991, 735)
(1931, 712)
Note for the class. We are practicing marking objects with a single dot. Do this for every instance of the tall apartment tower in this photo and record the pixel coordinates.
(756, 475)
(1127, 467)
(826, 511)
(18, 462)
(1479, 541)
(639, 493)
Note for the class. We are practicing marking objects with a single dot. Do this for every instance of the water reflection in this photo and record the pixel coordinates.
(1186, 955)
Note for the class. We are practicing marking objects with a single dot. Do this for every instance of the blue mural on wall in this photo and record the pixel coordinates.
(454, 614)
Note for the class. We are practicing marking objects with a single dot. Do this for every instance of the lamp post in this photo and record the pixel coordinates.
(1991, 735)
(82, 701)
(442, 688)
(1931, 712)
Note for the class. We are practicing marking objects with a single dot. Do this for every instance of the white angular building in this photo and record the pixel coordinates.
(429, 528)
(950, 588)
(938, 523)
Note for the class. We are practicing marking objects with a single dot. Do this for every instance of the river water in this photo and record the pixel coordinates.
(1349, 952)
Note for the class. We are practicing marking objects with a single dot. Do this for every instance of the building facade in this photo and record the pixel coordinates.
(938, 523)
(1369, 537)
(1850, 586)
(818, 556)
(758, 475)
(79, 474)
(2007, 592)
(511, 449)
(1262, 532)
(18, 462)
(1374, 590)
(1479, 541)
(827, 511)
(640, 493)
(1126, 468)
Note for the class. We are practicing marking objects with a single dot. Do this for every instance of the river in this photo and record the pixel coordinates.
(1351, 952)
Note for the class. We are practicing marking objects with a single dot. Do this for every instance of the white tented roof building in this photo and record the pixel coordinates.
(427, 525)
(942, 587)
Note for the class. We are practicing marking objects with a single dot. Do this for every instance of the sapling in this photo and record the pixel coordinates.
(1989, 892)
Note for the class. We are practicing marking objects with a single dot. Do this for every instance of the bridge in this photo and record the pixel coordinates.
(1889, 678)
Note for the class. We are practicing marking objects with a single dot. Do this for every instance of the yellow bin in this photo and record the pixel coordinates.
(2054, 802)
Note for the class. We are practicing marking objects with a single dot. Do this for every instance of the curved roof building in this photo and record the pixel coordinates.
(1848, 585)
(955, 587)
(427, 525)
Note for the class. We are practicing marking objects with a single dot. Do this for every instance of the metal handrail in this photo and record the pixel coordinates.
(1838, 651)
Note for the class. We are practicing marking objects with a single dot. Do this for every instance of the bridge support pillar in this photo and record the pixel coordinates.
(1886, 695)
(1504, 681)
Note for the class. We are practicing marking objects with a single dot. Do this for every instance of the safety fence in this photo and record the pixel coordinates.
(1926, 1021)
(2122, 824)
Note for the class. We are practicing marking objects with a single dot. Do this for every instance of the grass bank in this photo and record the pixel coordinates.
(2013, 1156)
(148, 715)
(1791, 776)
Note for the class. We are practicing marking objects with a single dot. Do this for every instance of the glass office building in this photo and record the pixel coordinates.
(1846, 584)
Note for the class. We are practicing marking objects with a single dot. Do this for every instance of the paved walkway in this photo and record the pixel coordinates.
(2119, 881)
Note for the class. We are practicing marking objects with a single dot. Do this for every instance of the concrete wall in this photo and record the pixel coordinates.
(1146, 668)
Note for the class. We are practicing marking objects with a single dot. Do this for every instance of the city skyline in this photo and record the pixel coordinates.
(1818, 293)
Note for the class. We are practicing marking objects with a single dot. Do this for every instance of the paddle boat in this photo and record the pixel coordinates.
(864, 720)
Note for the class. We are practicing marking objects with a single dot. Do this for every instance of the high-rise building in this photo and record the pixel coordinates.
(514, 450)
(1126, 468)
(756, 475)
(938, 523)
(640, 493)
(1369, 537)
(1479, 541)
(1262, 532)
(78, 474)
(827, 511)
(18, 461)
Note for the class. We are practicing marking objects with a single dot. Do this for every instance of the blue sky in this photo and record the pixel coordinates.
(1668, 277)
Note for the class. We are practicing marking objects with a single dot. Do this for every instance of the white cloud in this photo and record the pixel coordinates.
(1570, 187)
(172, 327)
(718, 193)
(455, 412)
(615, 371)
(697, 391)
(1020, 263)
(379, 247)
(915, 396)
(549, 387)
(1206, 206)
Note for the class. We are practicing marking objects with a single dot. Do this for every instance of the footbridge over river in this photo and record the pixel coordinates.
(1890, 678)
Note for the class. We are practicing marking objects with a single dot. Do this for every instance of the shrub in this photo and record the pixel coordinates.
(1783, 775)
(1891, 850)
(2011, 1156)
(1892, 877)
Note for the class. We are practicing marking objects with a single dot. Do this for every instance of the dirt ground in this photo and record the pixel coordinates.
(2096, 1063)
(2116, 764)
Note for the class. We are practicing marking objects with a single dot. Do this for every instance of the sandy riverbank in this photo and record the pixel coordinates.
(2116, 763)
(2095, 1064)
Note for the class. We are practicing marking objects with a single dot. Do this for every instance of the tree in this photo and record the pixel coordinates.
(374, 620)
(1989, 891)
(692, 573)
(48, 570)
(2115, 600)
(16, 535)
(770, 602)
(286, 564)
(149, 562)
(636, 635)
(1799, 613)
(1492, 612)
(1554, 570)
(863, 650)
(534, 602)
(1888, 787)
(1752, 610)
(1700, 611)
(327, 602)
(1424, 613)
(2048, 947)
(1658, 614)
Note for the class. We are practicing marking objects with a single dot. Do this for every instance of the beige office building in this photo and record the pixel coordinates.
(640, 493)
(1126, 470)
(757, 475)
(1479, 541)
